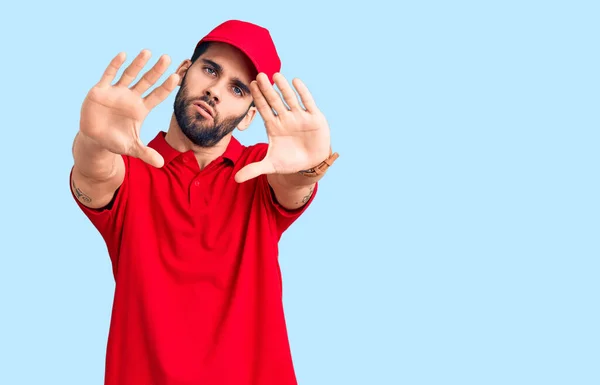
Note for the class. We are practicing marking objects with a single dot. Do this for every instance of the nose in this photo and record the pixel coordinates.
(211, 93)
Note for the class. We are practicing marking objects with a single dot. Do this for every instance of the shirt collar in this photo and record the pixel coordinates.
(232, 152)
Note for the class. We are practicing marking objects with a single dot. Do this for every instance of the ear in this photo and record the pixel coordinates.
(182, 69)
(245, 123)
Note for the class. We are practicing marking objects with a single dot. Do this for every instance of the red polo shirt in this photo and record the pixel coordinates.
(198, 294)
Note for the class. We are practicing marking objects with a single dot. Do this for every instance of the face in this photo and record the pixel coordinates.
(218, 81)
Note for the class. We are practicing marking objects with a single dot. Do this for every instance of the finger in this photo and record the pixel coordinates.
(132, 71)
(272, 96)
(148, 155)
(264, 109)
(159, 94)
(253, 170)
(289, 95)
(305, 95)
(112, 69)
(152, 75)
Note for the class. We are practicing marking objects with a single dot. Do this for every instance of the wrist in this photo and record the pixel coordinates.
(91, 159)
(295, 181)
(84, 140)
(320, 169)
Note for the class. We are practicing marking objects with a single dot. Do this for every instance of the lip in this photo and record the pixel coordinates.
(204, 109)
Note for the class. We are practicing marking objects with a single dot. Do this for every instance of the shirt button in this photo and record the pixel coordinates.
(197, 183)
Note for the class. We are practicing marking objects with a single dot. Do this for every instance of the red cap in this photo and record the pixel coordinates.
(253, 40)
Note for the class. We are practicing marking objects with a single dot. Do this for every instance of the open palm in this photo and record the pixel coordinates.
(112, 115)
(299, 137)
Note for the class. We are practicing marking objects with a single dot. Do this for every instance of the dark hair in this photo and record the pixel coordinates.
(200, 49)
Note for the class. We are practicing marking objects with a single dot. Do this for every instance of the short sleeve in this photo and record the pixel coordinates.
(109, 220)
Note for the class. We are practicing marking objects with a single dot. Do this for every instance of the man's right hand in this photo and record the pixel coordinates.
(112, 115)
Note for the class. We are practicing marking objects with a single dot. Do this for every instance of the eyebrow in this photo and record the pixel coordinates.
(216, 66)
(237, 81)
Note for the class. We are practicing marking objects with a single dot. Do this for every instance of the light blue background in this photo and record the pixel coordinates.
(455, 241)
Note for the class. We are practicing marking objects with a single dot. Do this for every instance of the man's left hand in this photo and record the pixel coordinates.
(299, 137)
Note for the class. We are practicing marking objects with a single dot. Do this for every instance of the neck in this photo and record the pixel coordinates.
(177, 139)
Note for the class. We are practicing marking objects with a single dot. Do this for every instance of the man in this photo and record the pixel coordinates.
(192, 220)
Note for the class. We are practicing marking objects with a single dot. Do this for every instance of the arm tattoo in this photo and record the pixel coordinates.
(80, 194)
(307, 197)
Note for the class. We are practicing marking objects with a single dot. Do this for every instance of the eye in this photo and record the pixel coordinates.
(238, 91)
(210, 71)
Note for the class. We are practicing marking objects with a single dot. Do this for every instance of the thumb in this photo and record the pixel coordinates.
(253, 170)
(149, 155)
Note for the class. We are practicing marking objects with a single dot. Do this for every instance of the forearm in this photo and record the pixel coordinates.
(93, 161)
(292, 190)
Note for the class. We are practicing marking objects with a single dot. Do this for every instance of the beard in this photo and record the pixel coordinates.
(198, 129)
